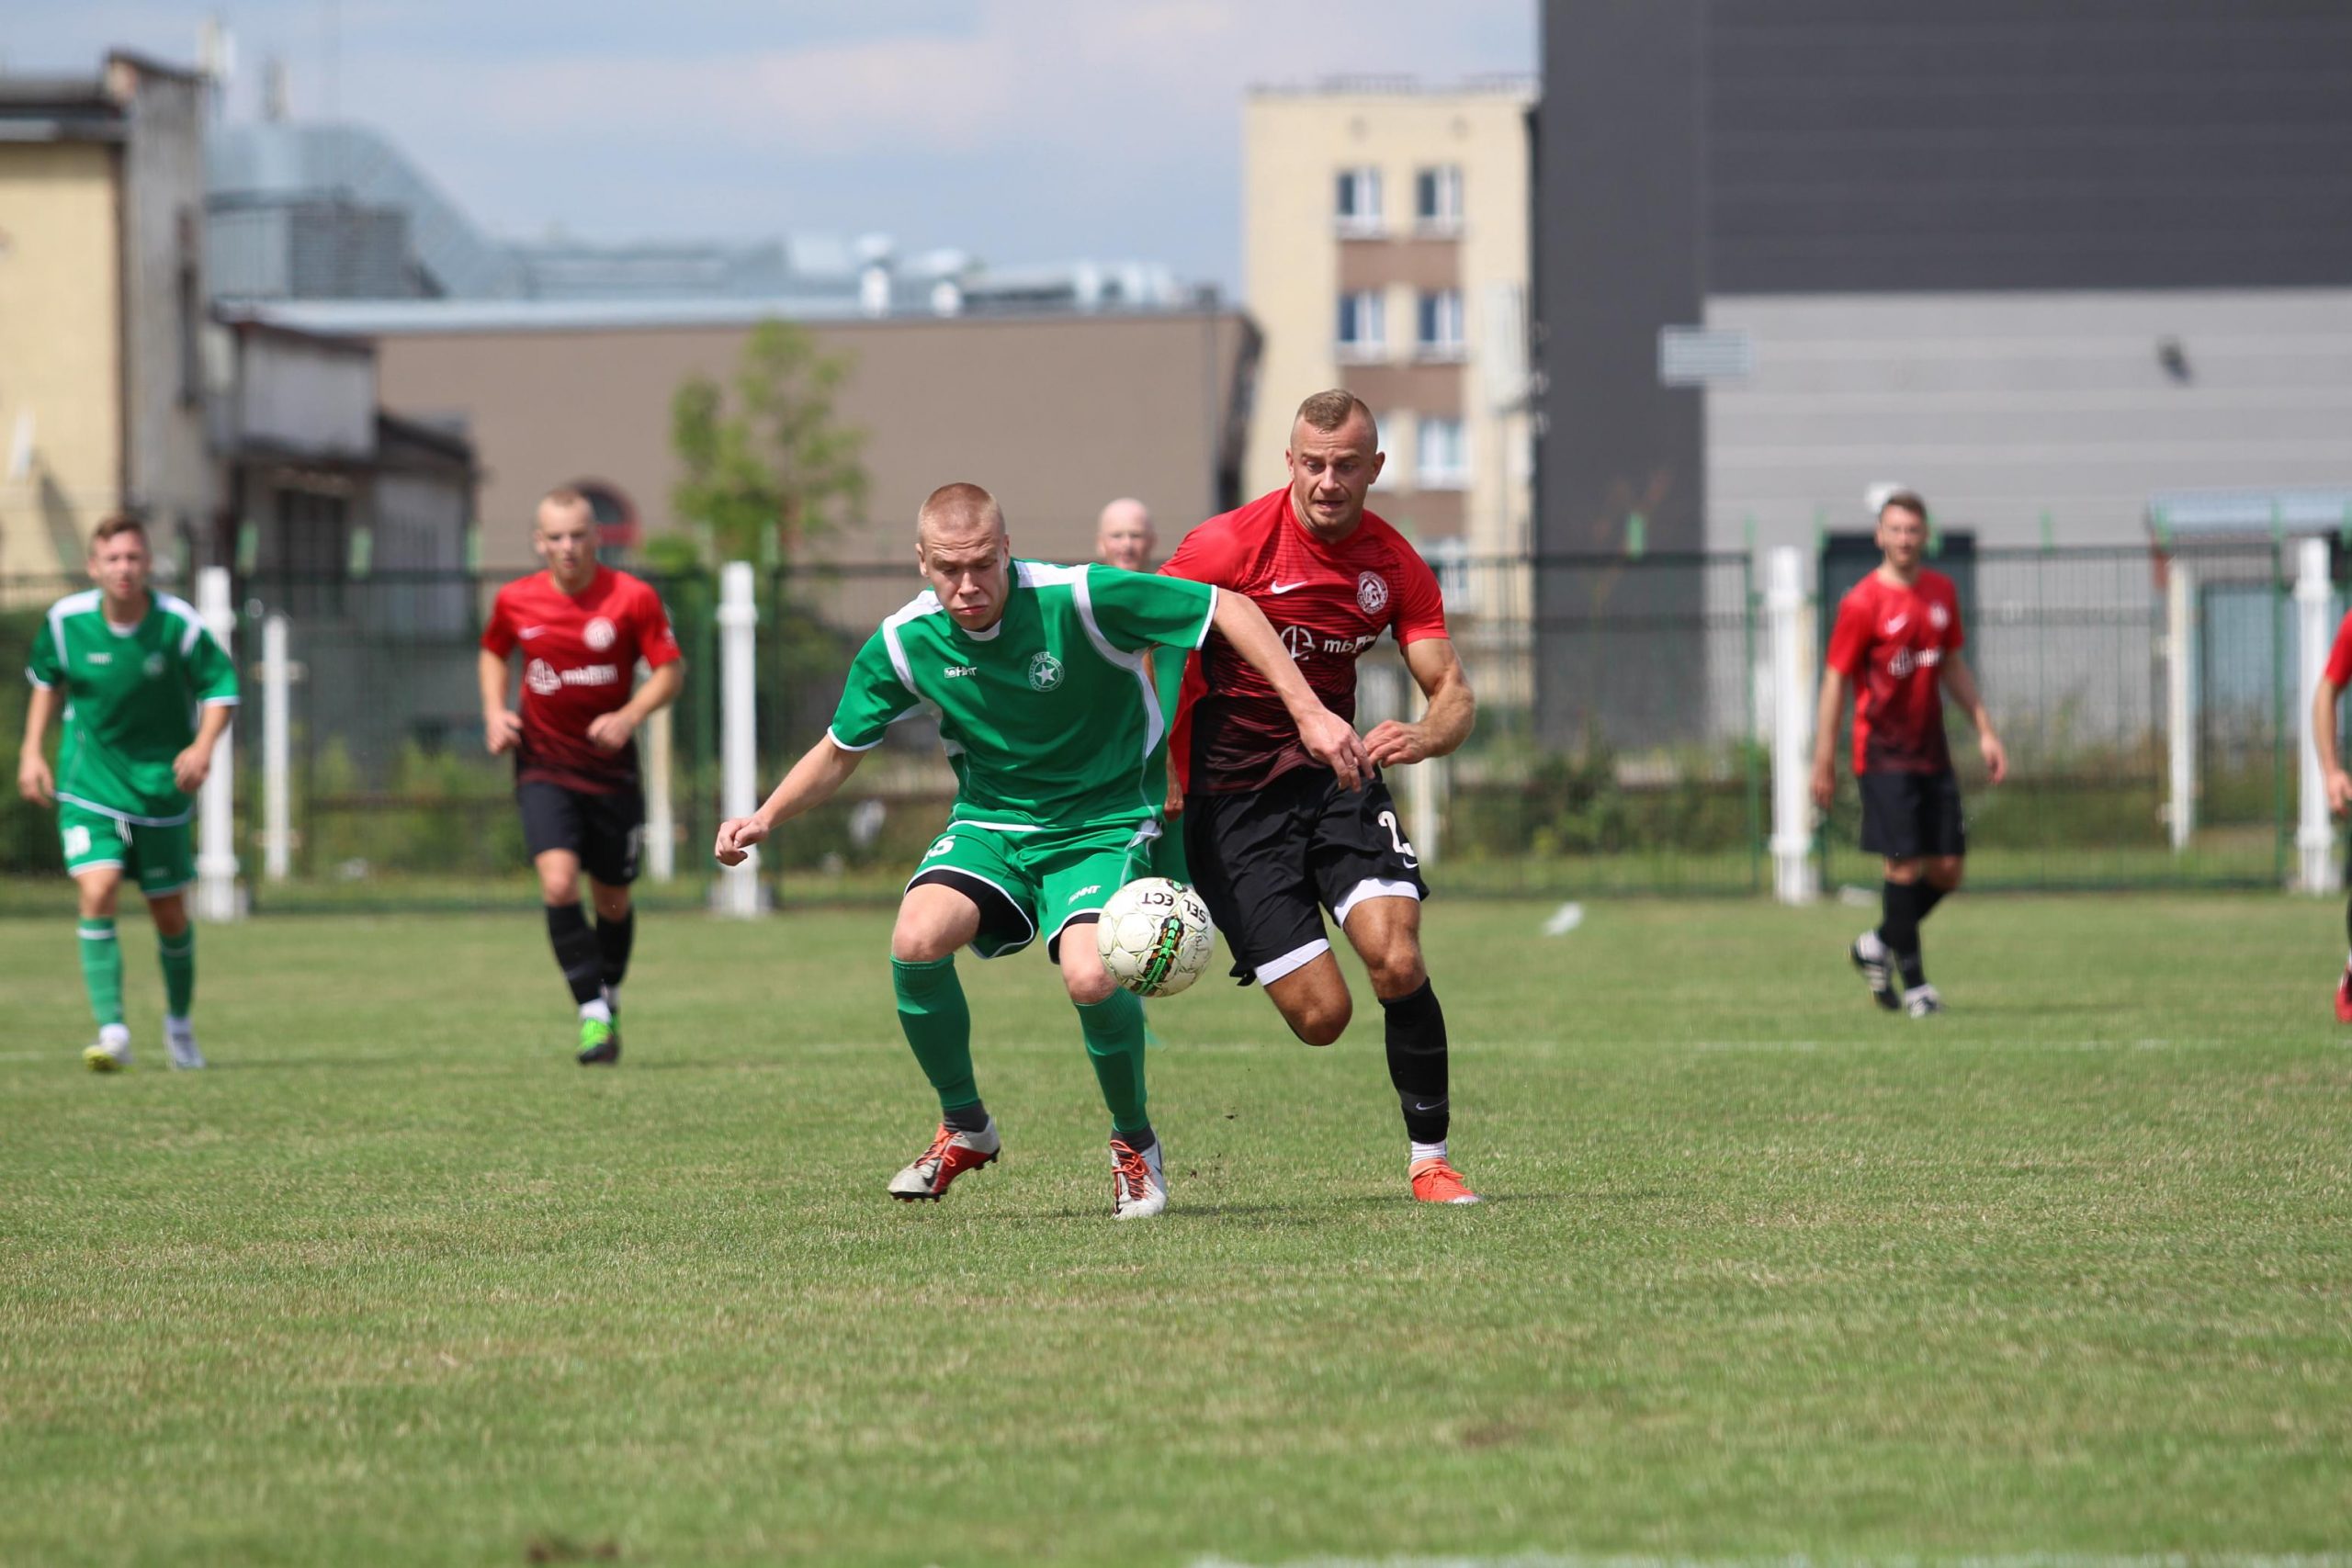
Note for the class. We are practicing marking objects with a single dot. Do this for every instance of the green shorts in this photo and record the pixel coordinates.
(1043, 879)
(159, 860)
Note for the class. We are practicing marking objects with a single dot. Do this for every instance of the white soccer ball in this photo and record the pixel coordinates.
(1155, 936)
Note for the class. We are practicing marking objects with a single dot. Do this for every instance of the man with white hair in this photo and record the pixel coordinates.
(1123, 536)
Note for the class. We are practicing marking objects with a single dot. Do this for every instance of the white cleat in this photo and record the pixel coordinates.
(112, 1052)
(1137, 1188)
(1921, 1000)
(179, 1040)
(951, 1153)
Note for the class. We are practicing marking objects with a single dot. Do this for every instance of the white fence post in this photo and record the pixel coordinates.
(2180, 713)
(215, 825)
(739, 616)
(277, 751)
(2315, 836)
(661, 813)
(1793, 872)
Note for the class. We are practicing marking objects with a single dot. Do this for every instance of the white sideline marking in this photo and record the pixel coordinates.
(1565, 918)
(2020, 1560)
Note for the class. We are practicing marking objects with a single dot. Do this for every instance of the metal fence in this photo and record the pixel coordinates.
(1622, 744)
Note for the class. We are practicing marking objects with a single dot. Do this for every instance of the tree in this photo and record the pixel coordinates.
(776, 469)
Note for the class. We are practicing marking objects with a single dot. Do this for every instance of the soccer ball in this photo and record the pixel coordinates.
(1154, 936)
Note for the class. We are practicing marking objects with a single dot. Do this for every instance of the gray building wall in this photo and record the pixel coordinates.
(2001, 406)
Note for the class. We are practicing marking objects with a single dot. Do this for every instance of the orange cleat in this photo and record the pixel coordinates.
(1434, 1181)
(950, 1156)
(2344, 998)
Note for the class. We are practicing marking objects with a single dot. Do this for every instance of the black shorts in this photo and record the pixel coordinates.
(605, 830)
(1269, 861)
(1906, 816)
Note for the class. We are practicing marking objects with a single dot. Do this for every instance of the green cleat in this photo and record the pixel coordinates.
(600, 1043)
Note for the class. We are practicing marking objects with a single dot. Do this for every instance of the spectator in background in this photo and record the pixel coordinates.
(1123, 536)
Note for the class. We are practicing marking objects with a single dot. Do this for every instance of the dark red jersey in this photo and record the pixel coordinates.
(1891, 641)
(1328, 602)
(2339, 658)
(580, 654)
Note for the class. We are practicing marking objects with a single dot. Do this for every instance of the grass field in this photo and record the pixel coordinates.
(1763, 1271)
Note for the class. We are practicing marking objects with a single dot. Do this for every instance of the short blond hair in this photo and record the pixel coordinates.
(958, 505)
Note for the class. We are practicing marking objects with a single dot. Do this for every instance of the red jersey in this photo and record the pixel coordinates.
(2339, 658)
(580, 654)
(1890, 641)
(1328, 602)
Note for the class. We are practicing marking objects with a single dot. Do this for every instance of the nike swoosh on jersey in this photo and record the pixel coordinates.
(527, 633)
(1285, 587)
(1897, 624)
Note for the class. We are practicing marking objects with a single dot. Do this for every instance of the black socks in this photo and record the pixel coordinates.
(576, 951)
(1416, 1062)
(1904, 905)
(614, 939)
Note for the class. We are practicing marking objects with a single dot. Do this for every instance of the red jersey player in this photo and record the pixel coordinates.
(2332, 682)
(582, 626)
(1272, 836)
(1897, 639)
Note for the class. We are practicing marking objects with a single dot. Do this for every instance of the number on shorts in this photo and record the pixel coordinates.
(77, 841)
(1396, 839)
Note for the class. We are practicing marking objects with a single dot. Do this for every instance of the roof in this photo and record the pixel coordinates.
(59, 108)
(399, 318)
(2304, 509)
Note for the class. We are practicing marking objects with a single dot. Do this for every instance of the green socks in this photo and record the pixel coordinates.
(179, 957)
(938, 1024)
(102, 970)
(1113, 1028)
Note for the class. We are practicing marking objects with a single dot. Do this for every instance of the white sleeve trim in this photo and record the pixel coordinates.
(219, 701)
(1154, 725)
(845, 745)
(38, 682)
(1208, 622)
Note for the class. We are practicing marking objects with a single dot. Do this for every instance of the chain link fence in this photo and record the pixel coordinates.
(1622, 744)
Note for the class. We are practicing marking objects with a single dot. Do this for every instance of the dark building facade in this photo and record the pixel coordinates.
(1901, 155)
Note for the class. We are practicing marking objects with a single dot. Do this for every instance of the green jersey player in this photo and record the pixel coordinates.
(1036, 676)
(146, 693)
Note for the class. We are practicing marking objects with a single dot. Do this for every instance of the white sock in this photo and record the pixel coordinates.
(114, 1034)
(1427, 1151)
(1870, 945)
(175, 1025)
(598, 1010)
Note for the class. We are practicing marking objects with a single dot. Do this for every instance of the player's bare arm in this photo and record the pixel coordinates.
(501, 726)
(610, 731)
(822, 771)
(2331, 765)
(1826, 715)
(1444, 725)
(191, 766)
(1961, 684)
(34, 781)
(1329, 738)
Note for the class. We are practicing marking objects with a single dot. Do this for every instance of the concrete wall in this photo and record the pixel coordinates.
(1056, 415)
(1296, 262)
(306, 395)
(171, 474)
(1999, 406)
(60, 350)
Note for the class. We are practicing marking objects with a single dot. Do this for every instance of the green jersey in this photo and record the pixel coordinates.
(130, 701)
(1049, 718)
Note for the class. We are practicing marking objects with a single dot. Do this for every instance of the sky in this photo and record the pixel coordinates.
(1021, 130)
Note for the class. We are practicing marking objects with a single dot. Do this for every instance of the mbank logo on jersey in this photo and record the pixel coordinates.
(1300, 640)
(599, 635)
(1371, 593)
(540, 676)
(1045, 672)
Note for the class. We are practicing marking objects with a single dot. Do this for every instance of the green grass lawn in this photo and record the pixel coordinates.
(1763, 1271)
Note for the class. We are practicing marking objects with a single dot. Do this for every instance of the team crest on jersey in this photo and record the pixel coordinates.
(541, 677)
(154, 665)
(1371, 593)
(599, 635)
(1938, 617)
(1045, 672)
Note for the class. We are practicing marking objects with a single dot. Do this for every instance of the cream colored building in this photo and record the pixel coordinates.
(101, 313)
(1385, 238)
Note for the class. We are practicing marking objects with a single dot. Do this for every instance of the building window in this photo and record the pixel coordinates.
(1441, 455)
(1364, 329)
(1437, 200)
(1358, 206)
(1439, 334)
